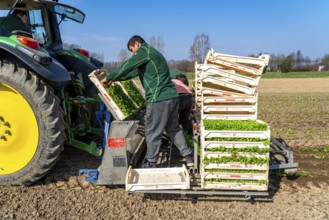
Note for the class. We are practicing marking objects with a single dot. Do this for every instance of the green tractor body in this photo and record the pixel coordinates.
(46, 97)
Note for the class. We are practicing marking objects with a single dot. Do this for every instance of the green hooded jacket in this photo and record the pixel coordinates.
(153, 71)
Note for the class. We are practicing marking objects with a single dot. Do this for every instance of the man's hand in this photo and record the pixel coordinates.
(106, 83)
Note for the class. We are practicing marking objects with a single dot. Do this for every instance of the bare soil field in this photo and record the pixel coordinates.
(297, 111)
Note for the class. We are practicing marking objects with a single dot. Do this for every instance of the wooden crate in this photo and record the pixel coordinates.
(96, 77)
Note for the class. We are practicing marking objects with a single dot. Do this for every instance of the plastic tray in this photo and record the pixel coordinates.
(157, 178)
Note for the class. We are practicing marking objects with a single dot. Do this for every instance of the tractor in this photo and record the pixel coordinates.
(46, 97)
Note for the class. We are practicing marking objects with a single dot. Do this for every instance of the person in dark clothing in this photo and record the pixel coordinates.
(185, 103)
(18, 20)
(161, 97)
(183, 78)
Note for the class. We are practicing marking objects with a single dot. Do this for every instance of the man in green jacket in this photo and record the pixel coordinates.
(161, 97)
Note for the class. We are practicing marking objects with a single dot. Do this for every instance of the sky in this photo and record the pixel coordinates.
(236, 27)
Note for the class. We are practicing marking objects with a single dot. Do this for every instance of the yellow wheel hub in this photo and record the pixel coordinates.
(19, 133)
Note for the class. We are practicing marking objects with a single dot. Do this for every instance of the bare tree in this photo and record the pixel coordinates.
(200, 47)
(71, 46)
(158, 43)
(123, 56)
(299, 58)
(325, 62)
(98, 56)
(152, 41)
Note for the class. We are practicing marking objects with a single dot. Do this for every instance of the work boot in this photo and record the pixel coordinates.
(149, 165)
(189, 161)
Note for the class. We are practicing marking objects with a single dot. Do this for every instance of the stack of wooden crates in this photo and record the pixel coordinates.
(234, 144)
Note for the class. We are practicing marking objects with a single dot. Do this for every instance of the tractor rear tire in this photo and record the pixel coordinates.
(32, 129)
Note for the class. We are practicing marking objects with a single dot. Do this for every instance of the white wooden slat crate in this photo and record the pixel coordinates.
(217, 83)
(245, 65)
(211, 179)
(229, 108)
(212, 70)
(260, 61)
(230, 175)
(236, 186)
(239, 116)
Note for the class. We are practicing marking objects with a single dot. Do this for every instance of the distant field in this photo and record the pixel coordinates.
(270, 75)
(315, 74)
(276, 75)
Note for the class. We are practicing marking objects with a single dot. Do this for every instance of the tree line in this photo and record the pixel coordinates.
(295, 61)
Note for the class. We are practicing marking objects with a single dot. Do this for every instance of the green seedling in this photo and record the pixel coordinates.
(281, 173)
(234, 125)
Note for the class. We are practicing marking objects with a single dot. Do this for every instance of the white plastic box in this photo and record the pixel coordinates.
(157, 178)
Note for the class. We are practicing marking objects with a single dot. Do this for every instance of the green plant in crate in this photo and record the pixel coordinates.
(238, 181)
(265, 141)
(240, 171)
(249, 149)
(124, 103)
(188, 138)
(234, 125)
(190, 141)
(134, 93)
(240, 159)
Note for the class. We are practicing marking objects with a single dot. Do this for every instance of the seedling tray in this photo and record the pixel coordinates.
(96, 77)
(243, 176)
(235, 134)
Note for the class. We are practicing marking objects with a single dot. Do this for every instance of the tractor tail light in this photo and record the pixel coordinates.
(83, 52)
(29, 42)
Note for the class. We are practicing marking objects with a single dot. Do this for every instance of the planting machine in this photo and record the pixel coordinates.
(51, 97)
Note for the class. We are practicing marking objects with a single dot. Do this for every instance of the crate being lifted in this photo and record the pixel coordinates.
(122, 99)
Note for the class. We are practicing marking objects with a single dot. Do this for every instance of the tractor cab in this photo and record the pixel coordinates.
(43, 19)
(47, 85)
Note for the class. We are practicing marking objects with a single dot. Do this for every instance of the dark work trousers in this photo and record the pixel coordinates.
(185, 108)
(159, 116)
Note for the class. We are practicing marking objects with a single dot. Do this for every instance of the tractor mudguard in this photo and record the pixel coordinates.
(73, 61)
(54, 72)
